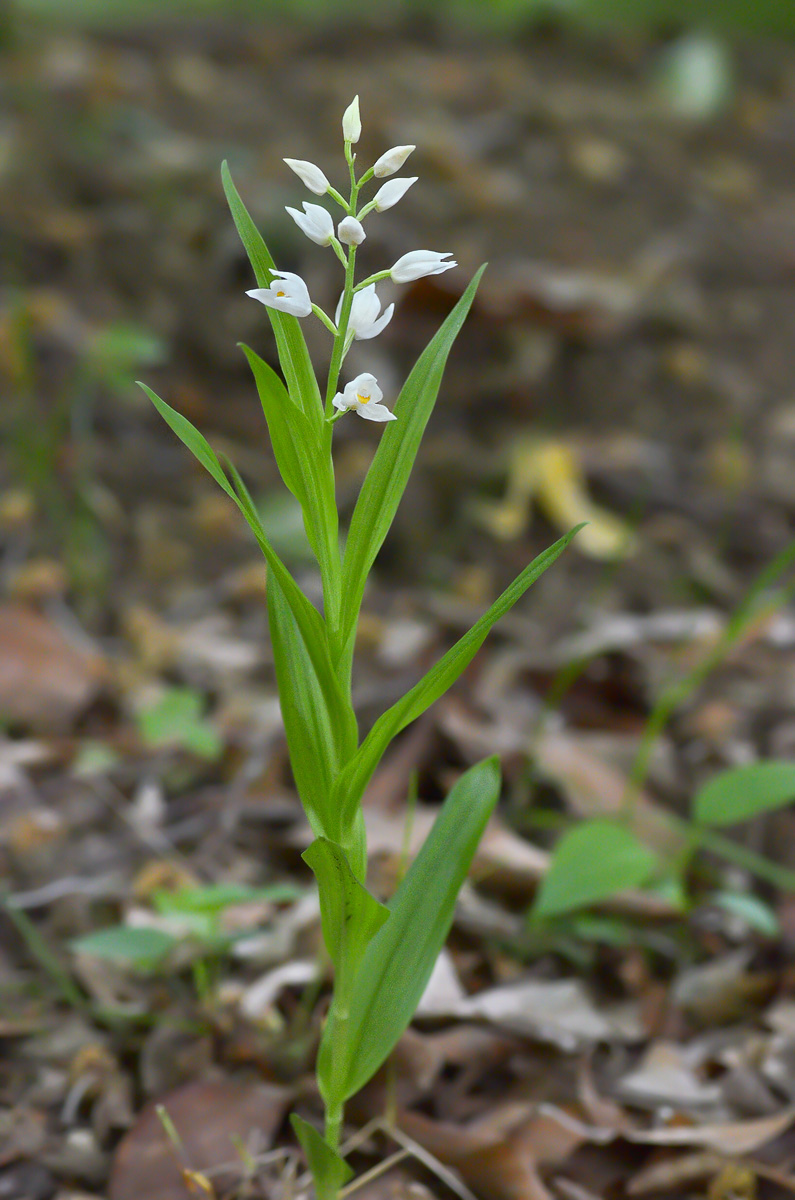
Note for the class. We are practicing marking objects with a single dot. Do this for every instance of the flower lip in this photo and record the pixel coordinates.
(392, 161)
(363, 396)
(419, 263)
(287, 293)
(310, 175)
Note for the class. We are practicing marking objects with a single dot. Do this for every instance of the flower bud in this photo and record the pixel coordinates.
(310, 175)
(419, 263)
(351, 232)
(392, 161)
(389, 193)
(352, 122)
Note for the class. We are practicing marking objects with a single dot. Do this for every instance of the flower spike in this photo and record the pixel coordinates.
(287, 293)
(363, 396)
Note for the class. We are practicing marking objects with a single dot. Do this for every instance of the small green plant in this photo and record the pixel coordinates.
(382, 954)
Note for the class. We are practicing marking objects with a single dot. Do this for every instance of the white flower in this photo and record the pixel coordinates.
(315, 222)
(309, 174)
(363, 395)
(418, 263)
(389, 193)
(392, 161)
(351, 232)
(352, 122)
(364, 321)
(288, 293)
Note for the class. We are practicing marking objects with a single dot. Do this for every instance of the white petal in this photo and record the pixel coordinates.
(418, 263)
(376, 327)
(375, 412)
(389, 193)
(352, 122)
(339, 401)
(392, 161)
(365, 308)
(310, 175)
(351, 232)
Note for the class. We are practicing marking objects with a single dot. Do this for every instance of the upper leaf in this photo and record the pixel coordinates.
(293, 353)
(391, 466)
(591, 862)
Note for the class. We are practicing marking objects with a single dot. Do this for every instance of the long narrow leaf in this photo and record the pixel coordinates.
(304, 461)
(293, 353)
(398, 961)
(390, 469)
(314, 700)
(354, 779)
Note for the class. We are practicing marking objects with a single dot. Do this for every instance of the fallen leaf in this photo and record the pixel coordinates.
(47, 675)
(207, 1117)
(732, 1138)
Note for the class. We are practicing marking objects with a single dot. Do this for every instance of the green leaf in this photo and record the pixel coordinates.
(127, 945)
(293, 353)
(329, 1170)
(304, 462)
(391, 466)
(350, 785)
(591, 862)
(319, 723)
(350, 916)
(744, 792)
(398, 961)
(176, 720)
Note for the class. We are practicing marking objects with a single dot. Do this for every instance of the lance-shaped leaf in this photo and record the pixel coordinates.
(391, 466)
(313, 696)
(319, 723)
(304, 462)
(293, 353)
(329, 1170)
(350, 916)
(397, 963)
(350, 786)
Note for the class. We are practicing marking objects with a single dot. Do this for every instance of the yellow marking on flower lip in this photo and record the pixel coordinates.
(363, 399)
(281, 293)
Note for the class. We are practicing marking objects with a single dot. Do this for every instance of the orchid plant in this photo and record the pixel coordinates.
(382, 954)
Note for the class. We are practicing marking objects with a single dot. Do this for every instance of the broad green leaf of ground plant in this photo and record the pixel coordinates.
(349, 914)
(304, 462)
(745, 792)
(351, 783)
(329, 1170)
(176, 720)
(127, 945)
(590, 863)
(391, 466)
(290, 343)
(398, 961)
